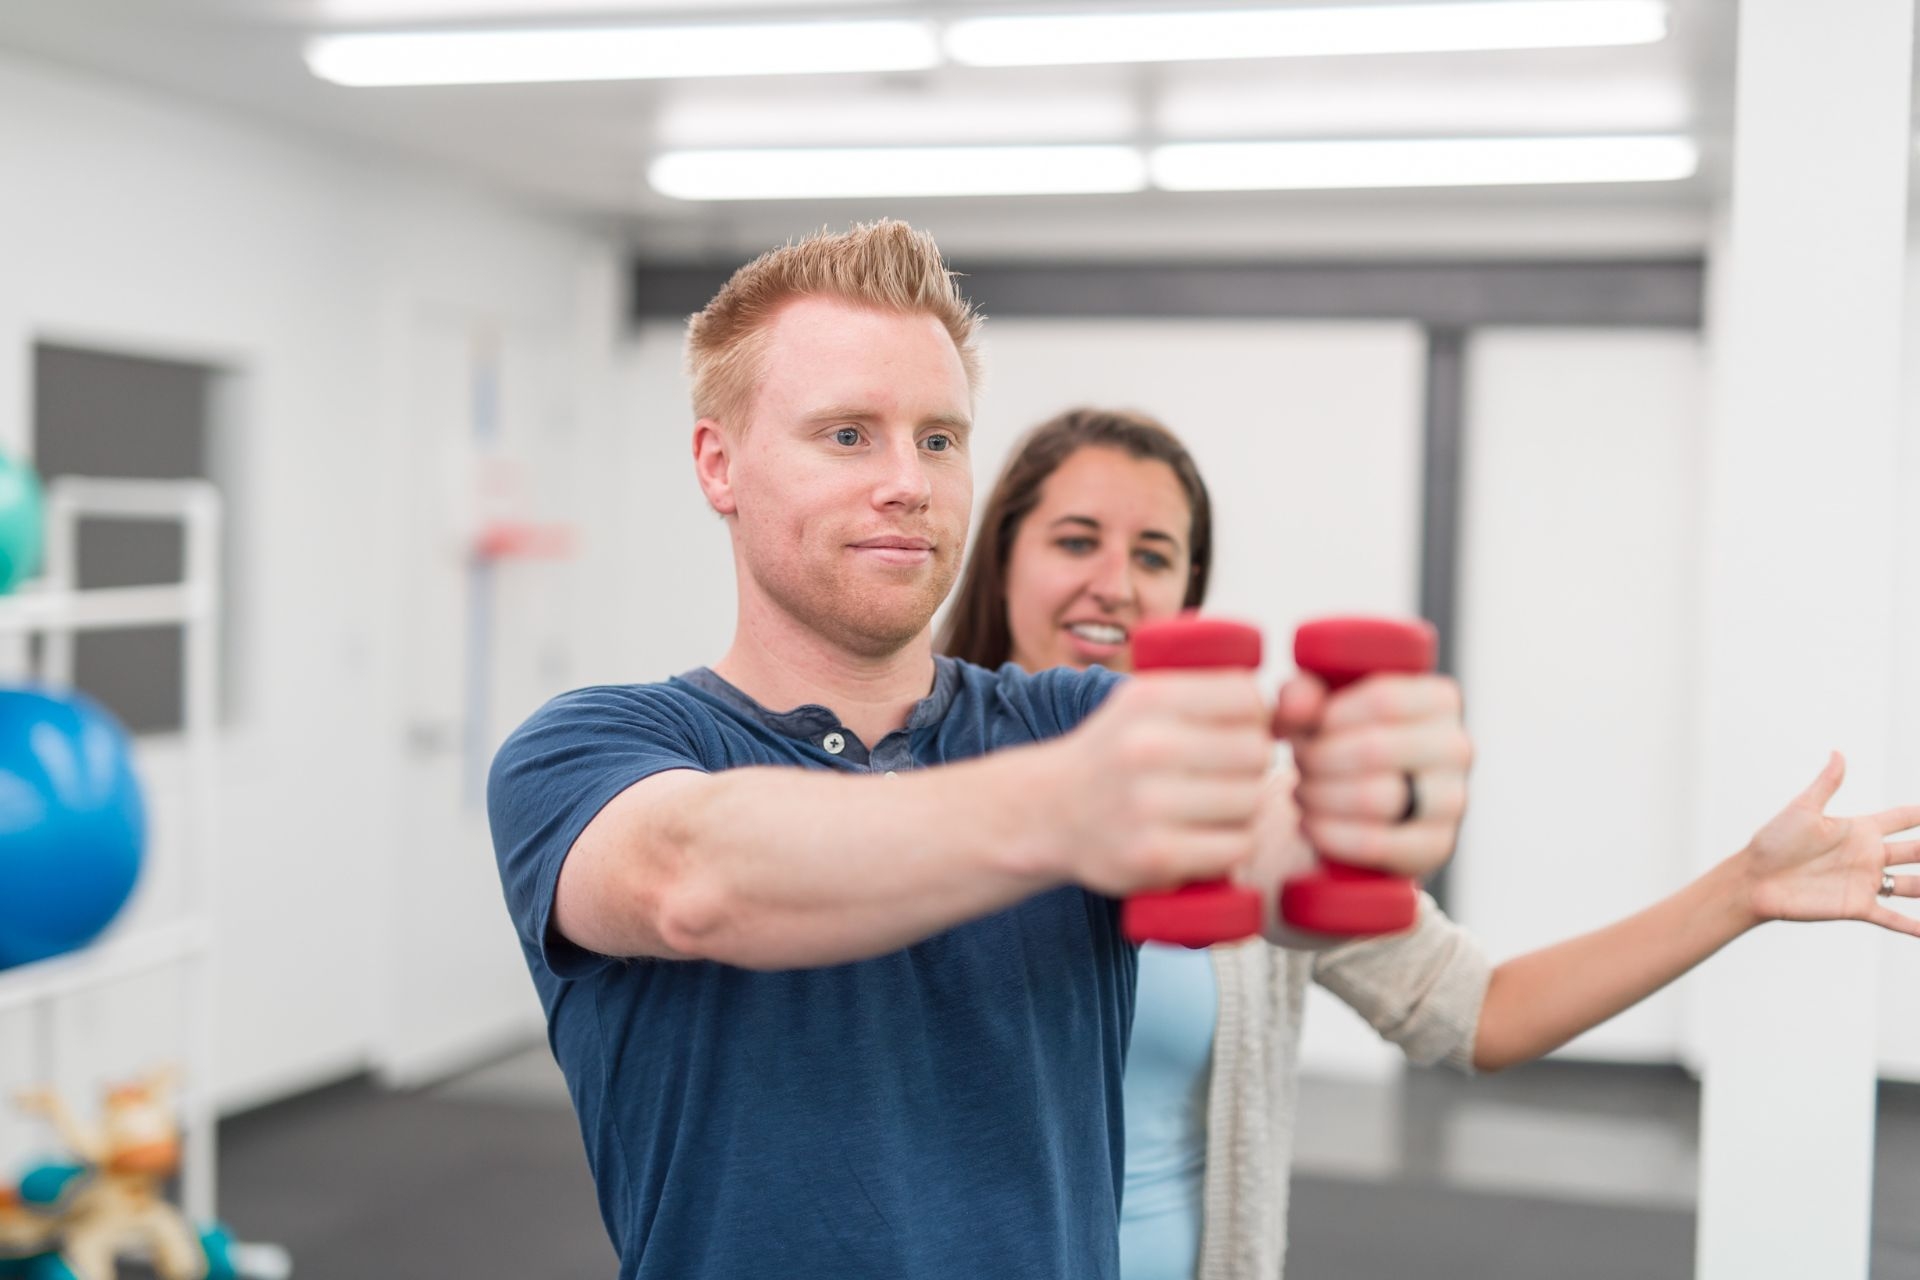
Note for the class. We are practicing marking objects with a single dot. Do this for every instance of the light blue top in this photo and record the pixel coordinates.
(1165, 1088)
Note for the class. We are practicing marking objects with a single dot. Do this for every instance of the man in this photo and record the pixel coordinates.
(825, 933)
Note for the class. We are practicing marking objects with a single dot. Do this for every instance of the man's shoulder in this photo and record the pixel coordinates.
(610, 714)
(599, 701)
(1058, 697)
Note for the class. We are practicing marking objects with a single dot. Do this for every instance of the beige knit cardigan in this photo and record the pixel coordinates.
(1421, 989)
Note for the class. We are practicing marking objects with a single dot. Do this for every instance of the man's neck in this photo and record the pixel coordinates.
(788, 667)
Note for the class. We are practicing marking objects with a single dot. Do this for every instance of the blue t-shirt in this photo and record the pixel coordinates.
(949, 1110)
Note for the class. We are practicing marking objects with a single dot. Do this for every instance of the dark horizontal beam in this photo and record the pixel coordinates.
(1635, 293)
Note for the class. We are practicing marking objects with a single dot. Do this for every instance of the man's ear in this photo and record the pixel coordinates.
(713, 464)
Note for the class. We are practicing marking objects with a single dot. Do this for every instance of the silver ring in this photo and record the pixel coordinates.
(1412, 810)
(1887, 886)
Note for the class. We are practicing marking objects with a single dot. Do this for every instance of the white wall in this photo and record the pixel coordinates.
(153, 227)
(1578, 570)
(1585, 482)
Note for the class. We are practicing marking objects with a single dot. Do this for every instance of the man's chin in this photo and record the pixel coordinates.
(871, 615)
(881, 623)
(875, 633)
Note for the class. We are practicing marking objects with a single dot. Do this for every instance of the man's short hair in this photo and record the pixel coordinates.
(885, 265)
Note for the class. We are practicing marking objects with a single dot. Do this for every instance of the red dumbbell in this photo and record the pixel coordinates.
(1204, 912)
(1336, 898)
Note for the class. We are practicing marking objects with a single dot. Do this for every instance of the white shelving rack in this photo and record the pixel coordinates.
(55, 607)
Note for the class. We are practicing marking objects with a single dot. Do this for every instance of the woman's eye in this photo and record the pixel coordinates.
(939, 444)
(1154, 560)
(1075, 546)
(848, 436)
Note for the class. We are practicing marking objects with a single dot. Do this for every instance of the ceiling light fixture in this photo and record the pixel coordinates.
(1435, 162)
(621, 53)
(1056, 39)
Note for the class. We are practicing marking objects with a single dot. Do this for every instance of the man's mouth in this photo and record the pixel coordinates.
(895, 544)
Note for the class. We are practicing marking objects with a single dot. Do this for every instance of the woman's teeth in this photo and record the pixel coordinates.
(1099, 633)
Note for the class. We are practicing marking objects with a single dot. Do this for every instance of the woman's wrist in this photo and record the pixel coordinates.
(1733, 883)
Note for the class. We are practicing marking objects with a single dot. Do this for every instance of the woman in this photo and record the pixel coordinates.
(1100, 522)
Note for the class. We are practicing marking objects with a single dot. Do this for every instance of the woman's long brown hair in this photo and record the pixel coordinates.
(977, 628)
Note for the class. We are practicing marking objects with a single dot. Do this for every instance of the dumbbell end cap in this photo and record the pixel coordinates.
(1194, 915)
(1190, 641)
(1350, 908)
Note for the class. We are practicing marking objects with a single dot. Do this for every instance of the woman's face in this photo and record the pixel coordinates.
(1107, 547)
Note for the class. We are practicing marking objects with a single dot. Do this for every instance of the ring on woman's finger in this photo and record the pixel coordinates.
(1887, 886)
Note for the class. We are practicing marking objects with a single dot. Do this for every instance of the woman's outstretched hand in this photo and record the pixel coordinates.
(1806, 864)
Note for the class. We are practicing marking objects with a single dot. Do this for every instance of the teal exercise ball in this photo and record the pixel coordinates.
(72, 822)
(21, 523)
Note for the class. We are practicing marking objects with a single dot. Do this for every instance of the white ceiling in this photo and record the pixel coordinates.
(584, 147)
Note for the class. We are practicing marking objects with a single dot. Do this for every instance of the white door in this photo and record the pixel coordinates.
(487, 639)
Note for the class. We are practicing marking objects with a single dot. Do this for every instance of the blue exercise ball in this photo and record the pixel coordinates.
(72, 824)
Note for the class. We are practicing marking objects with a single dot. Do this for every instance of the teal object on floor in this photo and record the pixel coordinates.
(217, 1242)
(22, 523)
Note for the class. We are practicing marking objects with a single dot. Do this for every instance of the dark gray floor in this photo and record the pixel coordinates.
(362, 1184)
(1554, 1170)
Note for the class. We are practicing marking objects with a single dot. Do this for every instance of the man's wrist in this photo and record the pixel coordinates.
(1028, 793)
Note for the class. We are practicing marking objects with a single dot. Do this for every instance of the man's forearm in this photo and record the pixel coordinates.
(784, 868)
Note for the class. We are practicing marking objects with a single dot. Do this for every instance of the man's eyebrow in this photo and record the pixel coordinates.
(955, 422)
(960, 424)
(854, 412)
(1093, 524)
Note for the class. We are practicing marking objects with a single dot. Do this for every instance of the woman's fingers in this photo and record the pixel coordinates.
(1899, 818)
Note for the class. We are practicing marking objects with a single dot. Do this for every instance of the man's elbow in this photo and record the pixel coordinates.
(694, 919)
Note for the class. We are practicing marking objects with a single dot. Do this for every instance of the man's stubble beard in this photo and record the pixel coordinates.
(864, 618)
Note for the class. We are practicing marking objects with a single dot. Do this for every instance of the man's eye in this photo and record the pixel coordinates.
(939, 444)
(847, 435)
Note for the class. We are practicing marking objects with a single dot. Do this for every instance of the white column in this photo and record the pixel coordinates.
(1797, 609)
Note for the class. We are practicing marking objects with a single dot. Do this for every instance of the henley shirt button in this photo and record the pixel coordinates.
(834, 744)
(892, 774)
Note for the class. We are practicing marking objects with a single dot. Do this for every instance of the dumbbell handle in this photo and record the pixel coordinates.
(1336, 898)
(1206, 911)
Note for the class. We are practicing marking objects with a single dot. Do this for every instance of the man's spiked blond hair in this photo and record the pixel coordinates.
(885, 265)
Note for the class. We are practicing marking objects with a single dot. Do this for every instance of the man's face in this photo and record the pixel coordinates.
(851, 486)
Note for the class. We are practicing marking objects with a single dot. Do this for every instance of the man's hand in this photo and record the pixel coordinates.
(1355, 750)
(1162, 784)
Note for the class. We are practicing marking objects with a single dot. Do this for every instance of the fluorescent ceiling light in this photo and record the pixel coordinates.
(392, 11)
(1440, 162)
(1213, 102)
(621, 53)
(896, 171)
(1054, 39)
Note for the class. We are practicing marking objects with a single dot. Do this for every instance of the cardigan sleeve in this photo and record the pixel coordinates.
(1421, 989)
